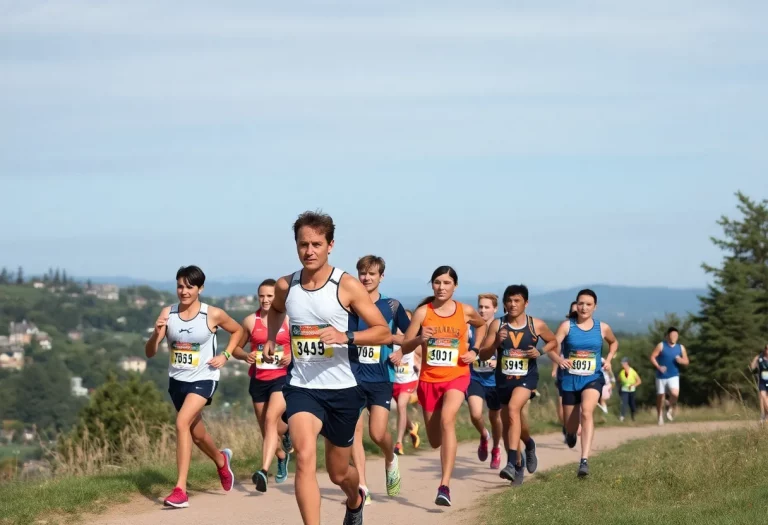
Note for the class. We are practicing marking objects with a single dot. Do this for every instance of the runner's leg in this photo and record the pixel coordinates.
(185, 419)
(589, 400)
(342, 473)
(358, 452)
(304, 428)
(452, 401)
(377, 429)
(272, 414)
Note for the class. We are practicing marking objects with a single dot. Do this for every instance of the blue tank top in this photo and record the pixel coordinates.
(667, 358)
(762, 367)
(584, 349)
(480, 371)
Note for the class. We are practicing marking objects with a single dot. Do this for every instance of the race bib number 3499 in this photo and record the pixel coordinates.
(306, 345)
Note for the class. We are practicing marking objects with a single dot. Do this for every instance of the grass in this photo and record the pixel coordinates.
(87, 480)
(708, 479)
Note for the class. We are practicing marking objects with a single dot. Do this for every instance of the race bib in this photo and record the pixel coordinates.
(369, 355)
(275, 365)
(306, 345)
(442, 351)
(483, 366)
(764, 375)
(583, 363)
(514, 365)
(404, 370)
(185, 356)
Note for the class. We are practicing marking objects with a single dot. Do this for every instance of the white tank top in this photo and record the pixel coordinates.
(315, 365)
(405, 372)
(191, 344)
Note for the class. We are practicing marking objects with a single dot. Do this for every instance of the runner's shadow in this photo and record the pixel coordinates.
(146, 481)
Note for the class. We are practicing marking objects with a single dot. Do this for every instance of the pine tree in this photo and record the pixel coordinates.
(64, 277)
(733, 320)
(57, 277)
(4, 276)
(20, 276)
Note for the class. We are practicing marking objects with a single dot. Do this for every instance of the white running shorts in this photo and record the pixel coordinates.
(666, 385)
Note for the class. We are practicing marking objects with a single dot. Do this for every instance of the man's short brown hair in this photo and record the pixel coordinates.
(318, 221)
(492, 296)
(369, 261)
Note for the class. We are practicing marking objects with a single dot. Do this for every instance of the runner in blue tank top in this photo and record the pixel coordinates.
(482, 387)
(666, 357)
(376, 375)
(760, 366)
(582, 382)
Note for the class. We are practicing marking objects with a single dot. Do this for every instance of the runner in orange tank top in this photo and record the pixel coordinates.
(439, 326)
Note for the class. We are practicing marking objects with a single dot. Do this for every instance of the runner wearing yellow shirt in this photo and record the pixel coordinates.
(629, 380)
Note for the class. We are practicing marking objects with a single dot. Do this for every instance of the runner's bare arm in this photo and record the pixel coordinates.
(355, 296)
(221, 319)
(560, 335)
(150, 348)
(546, 334)
(411, 338)
(753, 364)
(490, 342)
(472, 317)
(683, 358)
(239, 351)
(276, 316)
(654, 355)
(613, 344)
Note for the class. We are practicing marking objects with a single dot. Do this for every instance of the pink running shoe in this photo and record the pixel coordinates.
(225, 472)
(178, 499)
(482, 450)
(495, 458)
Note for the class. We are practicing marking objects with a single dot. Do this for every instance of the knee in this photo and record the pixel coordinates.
(448, 425)
(338, 474)
(183, 424)
(306, 457)
(586, 416)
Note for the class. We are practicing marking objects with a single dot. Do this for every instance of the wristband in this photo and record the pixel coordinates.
(227, 355)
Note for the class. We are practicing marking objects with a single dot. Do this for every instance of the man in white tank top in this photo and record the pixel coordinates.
(190, 327)
(322, 395)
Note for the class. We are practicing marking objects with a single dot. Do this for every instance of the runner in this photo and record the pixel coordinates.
(444, 375)
(557, 373)
(608, 381)
(266, 386)
(376, 374)
(513, 338)
(193, 371)
(666, 357)
(406, 381)
(759, 365)
(582, 382)
(629, 380)
(322, 393)
(482, 387)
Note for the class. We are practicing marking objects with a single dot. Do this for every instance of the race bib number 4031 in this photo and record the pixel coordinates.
(306, 345)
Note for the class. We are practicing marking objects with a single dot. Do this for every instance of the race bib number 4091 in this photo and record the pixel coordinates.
(583, 363)
(306, 345)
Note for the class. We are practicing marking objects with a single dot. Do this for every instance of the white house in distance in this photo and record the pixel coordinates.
(133, 364)
(78, 390)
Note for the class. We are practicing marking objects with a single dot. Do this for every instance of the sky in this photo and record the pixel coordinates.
(549, 143)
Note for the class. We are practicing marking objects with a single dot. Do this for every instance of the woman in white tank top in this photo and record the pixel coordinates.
(190, 327)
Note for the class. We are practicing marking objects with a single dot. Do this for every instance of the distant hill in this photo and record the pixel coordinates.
(626, 308)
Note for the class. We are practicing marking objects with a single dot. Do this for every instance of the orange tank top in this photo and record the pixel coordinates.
(440, 355)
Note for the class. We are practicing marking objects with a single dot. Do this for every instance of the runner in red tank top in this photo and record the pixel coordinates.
(266, 386)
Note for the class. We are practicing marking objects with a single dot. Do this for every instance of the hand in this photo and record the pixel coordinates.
(469, 357)
(607, 365)
(397, 339)
(679, 360)
(662, 369)
(286, 359)
(160, 324)
(330, 336)
(492, 362)
(532, 353)
(503, 334)
(396, 357)
(250, 358)
(566, 364)
(268, 352)
(426, 333)
(217, 362)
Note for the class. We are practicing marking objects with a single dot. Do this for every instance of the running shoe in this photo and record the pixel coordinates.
(287, 443)
(259, 479)
(443, 498)
(282, 468)
(399, 449)
(531, 461)
(495, 458)
(178, 498)
(519, 473)
(393, 478)
(226, 476)
(508, 473)
(583, 469)
(414, 433)
(570, 440)
(355, 516)
(482, 450)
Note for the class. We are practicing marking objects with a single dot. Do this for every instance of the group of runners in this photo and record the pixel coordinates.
(325, 345)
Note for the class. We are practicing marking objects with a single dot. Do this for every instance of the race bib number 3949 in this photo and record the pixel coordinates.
(442, 351)
(306, 345)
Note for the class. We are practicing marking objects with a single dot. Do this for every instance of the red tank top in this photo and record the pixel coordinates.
(262, 371)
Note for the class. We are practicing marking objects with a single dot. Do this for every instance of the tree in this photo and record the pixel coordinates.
(57, 277)
(88, 285)
(119, 405)
(20, 276)
(733, 320)
(5, 277)
(64, 277)
(44, 396)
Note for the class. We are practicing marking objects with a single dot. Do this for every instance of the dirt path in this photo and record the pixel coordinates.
(420, 478)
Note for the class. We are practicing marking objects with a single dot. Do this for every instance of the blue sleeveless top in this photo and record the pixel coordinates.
(584, 349)
(667, 358)
(479, 370)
